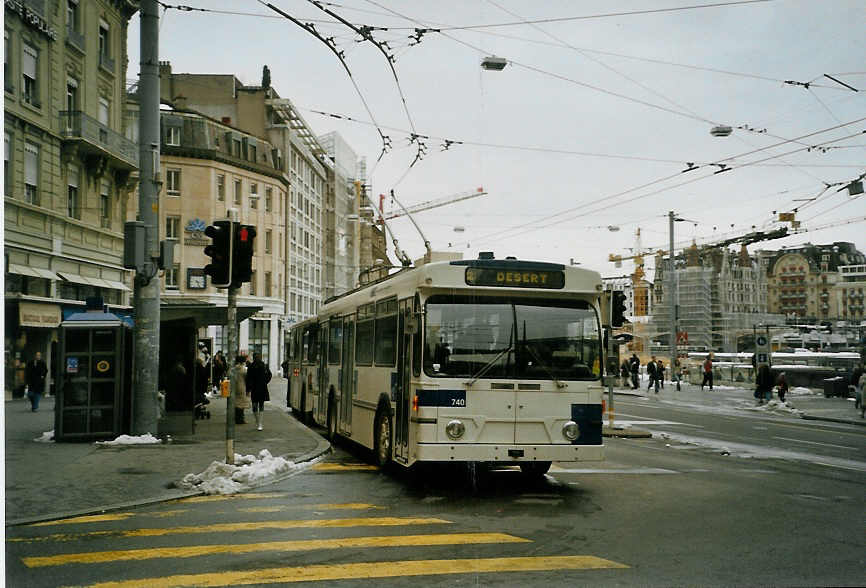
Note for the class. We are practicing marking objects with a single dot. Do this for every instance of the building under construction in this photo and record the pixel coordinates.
(720, 296)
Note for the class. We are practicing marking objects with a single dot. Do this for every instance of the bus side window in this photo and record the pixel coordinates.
(386, 332)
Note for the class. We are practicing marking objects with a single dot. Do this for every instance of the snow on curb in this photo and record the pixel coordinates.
(776, 406)
(47, 437)
(223, 478)
(146, 439)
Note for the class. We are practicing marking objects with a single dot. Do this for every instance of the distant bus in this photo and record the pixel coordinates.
(495, 361)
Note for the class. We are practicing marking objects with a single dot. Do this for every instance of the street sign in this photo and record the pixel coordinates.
(682, 337)
(762, 349)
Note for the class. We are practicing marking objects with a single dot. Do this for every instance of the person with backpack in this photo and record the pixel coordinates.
(708, 372)
(258, 376)
(634, 368)
(652, 373)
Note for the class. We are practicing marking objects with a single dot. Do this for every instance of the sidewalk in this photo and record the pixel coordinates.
(52, 480)
(738, 397)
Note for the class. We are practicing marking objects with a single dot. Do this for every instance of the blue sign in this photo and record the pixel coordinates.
(71, 365)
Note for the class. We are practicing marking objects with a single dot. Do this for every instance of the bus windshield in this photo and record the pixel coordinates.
(522, 338)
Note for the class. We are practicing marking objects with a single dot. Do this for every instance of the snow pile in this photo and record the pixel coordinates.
(146, 439)
(800, 391)
(47, 437)
(222, 478)
(776, 406)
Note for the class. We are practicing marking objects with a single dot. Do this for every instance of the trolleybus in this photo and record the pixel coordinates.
(487, 360)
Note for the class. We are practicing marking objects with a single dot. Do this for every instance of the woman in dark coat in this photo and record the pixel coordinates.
(258, 376)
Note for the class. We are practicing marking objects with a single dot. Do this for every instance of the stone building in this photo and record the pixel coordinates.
(207, 168)
(68, 168)
(816, 282)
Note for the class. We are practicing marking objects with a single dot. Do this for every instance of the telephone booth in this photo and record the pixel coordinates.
(94, 377)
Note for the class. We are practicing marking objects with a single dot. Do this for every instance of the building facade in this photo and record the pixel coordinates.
(207, 169)
(808, 282)
(68, 168)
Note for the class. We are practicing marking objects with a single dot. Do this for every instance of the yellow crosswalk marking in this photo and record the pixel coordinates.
(286, 546)
(247, 526)
(343, 467)
(285, 507)
(367, 570)
(221, 497)
(118, 516)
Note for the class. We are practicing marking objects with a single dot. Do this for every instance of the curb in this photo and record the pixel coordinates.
(808, 417)
(624, 433)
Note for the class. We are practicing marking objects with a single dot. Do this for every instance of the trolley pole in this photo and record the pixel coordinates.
(672, 289)
(231, 319)
(146, 292)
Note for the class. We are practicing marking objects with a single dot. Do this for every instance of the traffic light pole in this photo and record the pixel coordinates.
(609, 355)
(232, 320)
(672, 291)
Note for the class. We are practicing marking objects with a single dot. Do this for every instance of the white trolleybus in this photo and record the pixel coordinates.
(493, 361)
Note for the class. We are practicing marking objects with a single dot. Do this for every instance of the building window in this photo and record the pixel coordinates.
(104, 42)
(252, 153)
(104, 111)
(171, 277)
(254, 195)
(237, 147)
(29, 67)
(31, 173)
(71, 99)
(172, 182)
(252, 283)
(105, 206)
(172, 227)
(73, 202)
(7, 66)
(269, 199)
(72, 15)
(268, 241)
(238, 194)
(221, 187)
(267, 284)
(7, 158)
(260, 335)
(172, 136)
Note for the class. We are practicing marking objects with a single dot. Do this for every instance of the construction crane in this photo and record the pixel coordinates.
(437, 203)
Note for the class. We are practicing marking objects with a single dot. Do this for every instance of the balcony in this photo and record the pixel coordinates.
(92, 138)
(75, 39)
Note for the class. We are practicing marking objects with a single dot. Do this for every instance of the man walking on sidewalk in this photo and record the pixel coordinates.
(651, 372)
(36, 373)
(708, 372)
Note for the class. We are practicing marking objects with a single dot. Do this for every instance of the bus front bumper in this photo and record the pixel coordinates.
(508, 454)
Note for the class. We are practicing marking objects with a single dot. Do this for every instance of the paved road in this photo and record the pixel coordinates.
(657, 512)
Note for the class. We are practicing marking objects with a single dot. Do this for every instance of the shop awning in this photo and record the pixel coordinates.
(204, 313)
(34, 314)
(117, 285)
(75, 278)
(35, 272)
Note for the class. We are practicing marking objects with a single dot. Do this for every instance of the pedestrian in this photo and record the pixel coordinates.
(241, 397)
(285, 366)
(660, 372)
(763, 383)
(258, 376)
(624, 373)
(634, 368)
(708, 372)
(781, 387)
(36, 374)
(651, 367)
(861, 385)
(677, 373)
(219, 368)
(177, 388)
(855, 383)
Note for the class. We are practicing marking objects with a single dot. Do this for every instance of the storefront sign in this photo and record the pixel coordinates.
(31, 314)
(32, 19)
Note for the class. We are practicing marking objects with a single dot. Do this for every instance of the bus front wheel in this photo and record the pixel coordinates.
(534, 469)
(382, 439)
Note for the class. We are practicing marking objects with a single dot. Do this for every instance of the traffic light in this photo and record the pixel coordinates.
(618, 310)
(242, 270)
(220, 252)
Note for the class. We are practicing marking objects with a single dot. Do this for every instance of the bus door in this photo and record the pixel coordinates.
(347, 380)
(402, 394)
(320, 401)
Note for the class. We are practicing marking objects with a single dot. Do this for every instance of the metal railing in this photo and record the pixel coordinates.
(75, 124)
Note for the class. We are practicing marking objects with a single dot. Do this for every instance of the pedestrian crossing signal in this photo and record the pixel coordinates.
(244, 248)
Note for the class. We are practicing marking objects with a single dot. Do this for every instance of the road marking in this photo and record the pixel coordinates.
(290, 507)
(368, 570)
(612, 471)
(119, 516)
(234, 527)
(343, 467)
(285, 546)
(814, 443)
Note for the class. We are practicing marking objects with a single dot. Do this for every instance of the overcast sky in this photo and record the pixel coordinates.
(589, 126)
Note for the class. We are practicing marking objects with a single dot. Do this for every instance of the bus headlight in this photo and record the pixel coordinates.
(455, 429)
(570, 430)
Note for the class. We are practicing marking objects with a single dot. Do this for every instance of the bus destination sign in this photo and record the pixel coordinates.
(515, 278)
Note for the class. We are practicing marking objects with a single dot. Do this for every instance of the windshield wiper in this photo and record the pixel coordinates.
(544, 367)
(489, 365)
